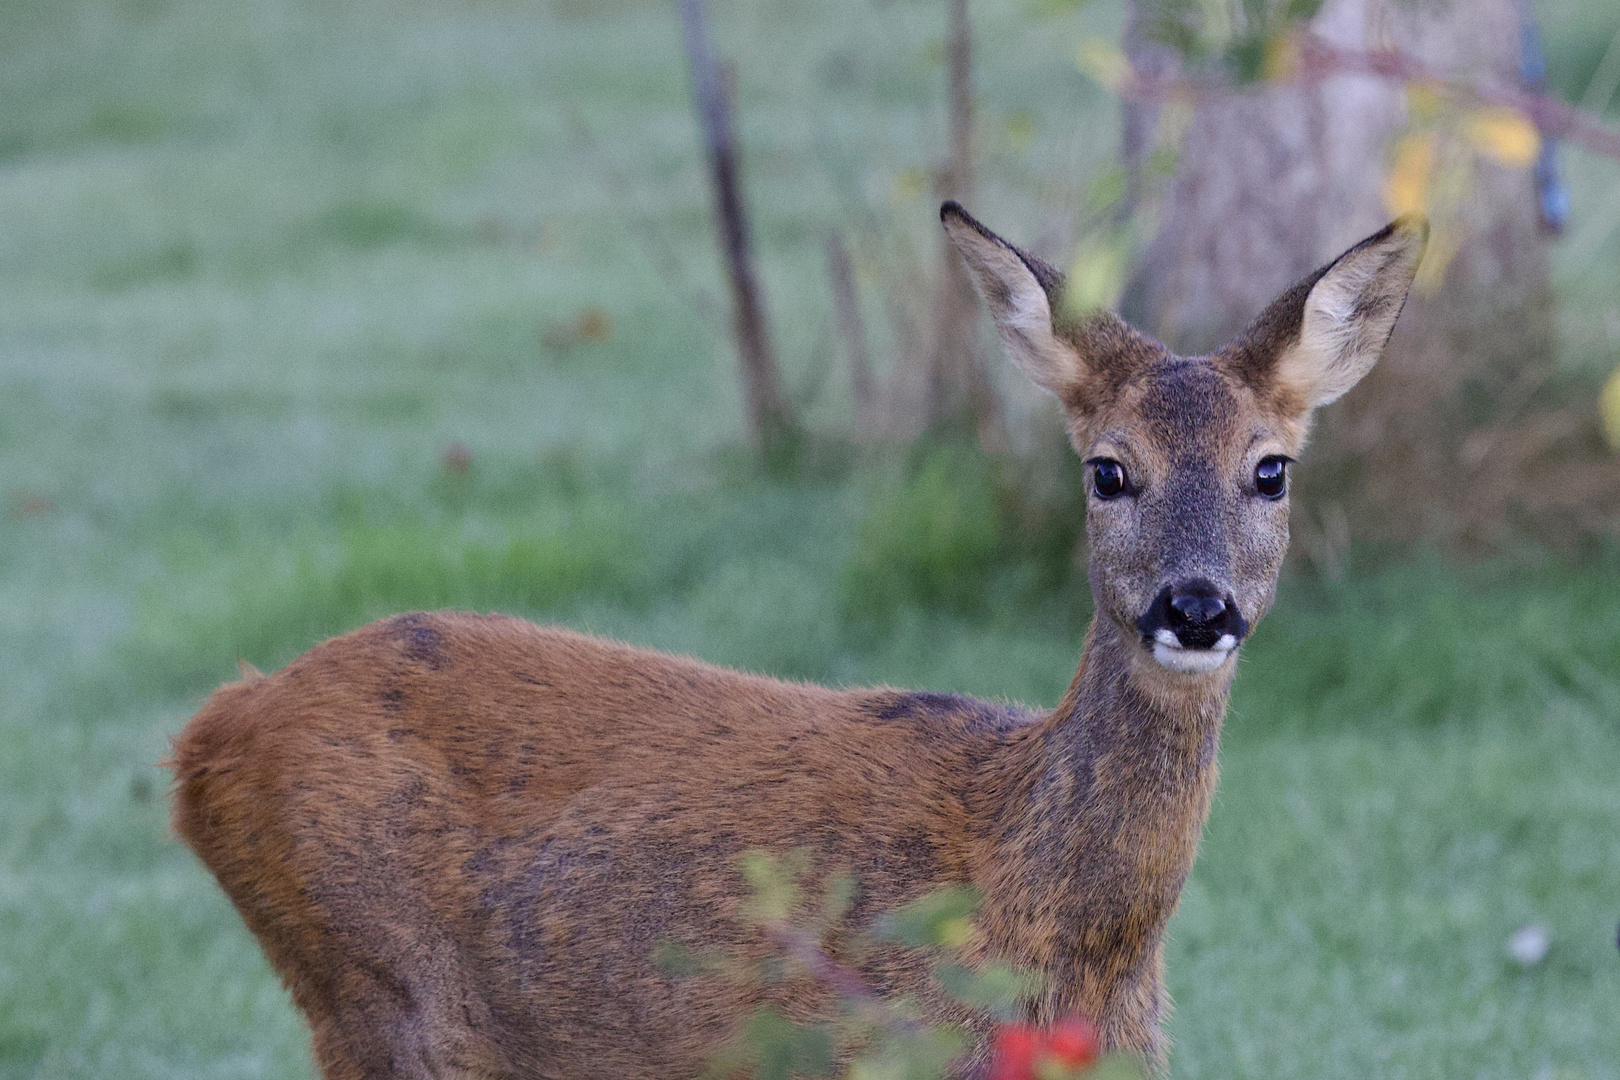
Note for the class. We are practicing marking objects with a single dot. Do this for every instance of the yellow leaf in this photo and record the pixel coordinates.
(1098, 58)
(1281, 60)
(1424, 100)
(911, 183)
(1097, 276)
(1609, 407)
(1444, 240)
(1020, 126)
(956, 932)
(1406, 189)
(1506, 135)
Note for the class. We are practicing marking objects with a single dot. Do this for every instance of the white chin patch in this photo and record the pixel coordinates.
(1172, 654)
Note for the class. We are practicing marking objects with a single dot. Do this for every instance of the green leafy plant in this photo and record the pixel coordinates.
(872, 1037)
(932, 540)
(959, 528)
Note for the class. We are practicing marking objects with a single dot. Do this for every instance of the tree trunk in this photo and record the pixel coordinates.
(771, 420)
(1273, 181)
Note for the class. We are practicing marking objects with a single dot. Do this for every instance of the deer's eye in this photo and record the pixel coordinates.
(1271, 477)
(1107, 477)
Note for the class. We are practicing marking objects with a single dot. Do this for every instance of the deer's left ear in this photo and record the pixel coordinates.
(1319, 338)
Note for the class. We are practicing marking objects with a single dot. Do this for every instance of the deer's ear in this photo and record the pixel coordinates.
(1021, 291)
(1319, 338)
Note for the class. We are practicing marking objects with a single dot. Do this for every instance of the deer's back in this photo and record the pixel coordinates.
(461, 839)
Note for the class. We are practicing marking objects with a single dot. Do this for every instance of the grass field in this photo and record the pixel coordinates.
(262, 263)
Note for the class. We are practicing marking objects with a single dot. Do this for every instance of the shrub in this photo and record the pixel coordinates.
(875, 1038)
(956, 522)
(931, 540)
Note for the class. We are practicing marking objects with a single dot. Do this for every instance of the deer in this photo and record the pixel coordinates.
(460, 839)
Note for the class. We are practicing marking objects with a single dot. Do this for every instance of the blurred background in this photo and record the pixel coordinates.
(317, 310)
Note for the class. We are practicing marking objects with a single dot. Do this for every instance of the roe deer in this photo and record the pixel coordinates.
(459, 838)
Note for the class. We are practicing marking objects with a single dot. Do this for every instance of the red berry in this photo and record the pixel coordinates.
(1013, 1052)
(1024, 1051)
(1073, 1041)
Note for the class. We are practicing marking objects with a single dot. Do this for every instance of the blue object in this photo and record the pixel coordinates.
(1552, 193)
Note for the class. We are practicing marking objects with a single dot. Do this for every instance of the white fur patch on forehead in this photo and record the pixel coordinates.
(1350, 313)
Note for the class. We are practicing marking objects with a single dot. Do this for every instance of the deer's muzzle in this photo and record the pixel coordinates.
(1192, 626)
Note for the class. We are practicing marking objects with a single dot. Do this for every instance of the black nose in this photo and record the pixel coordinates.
(1194, 609)
(1196, 612)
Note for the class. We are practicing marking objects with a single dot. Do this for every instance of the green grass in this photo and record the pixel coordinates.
(263, 261)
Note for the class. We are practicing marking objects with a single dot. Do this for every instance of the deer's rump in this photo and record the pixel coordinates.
(461, 839)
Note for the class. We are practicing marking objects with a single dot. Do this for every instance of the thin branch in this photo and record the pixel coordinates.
(1320, 60)
(1553, 116)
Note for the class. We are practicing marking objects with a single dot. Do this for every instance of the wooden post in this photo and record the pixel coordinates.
(771, 421)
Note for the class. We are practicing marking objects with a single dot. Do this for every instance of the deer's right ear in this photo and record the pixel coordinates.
(1319, 338)
(1021, 291)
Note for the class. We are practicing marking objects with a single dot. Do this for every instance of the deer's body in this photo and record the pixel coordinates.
(460, 839)
(480, 880)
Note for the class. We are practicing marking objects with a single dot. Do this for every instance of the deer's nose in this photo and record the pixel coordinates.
(1195, 608)
(1199, 614)
(1193, 614)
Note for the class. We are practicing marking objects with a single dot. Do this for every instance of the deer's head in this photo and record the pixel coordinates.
(1187, 514)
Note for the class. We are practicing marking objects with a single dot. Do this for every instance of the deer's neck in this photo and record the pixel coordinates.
(1097, 814)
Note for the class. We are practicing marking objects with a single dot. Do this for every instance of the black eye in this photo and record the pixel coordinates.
(1271, 477)
(1107, 477)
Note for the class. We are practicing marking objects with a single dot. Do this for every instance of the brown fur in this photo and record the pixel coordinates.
(460, 838)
